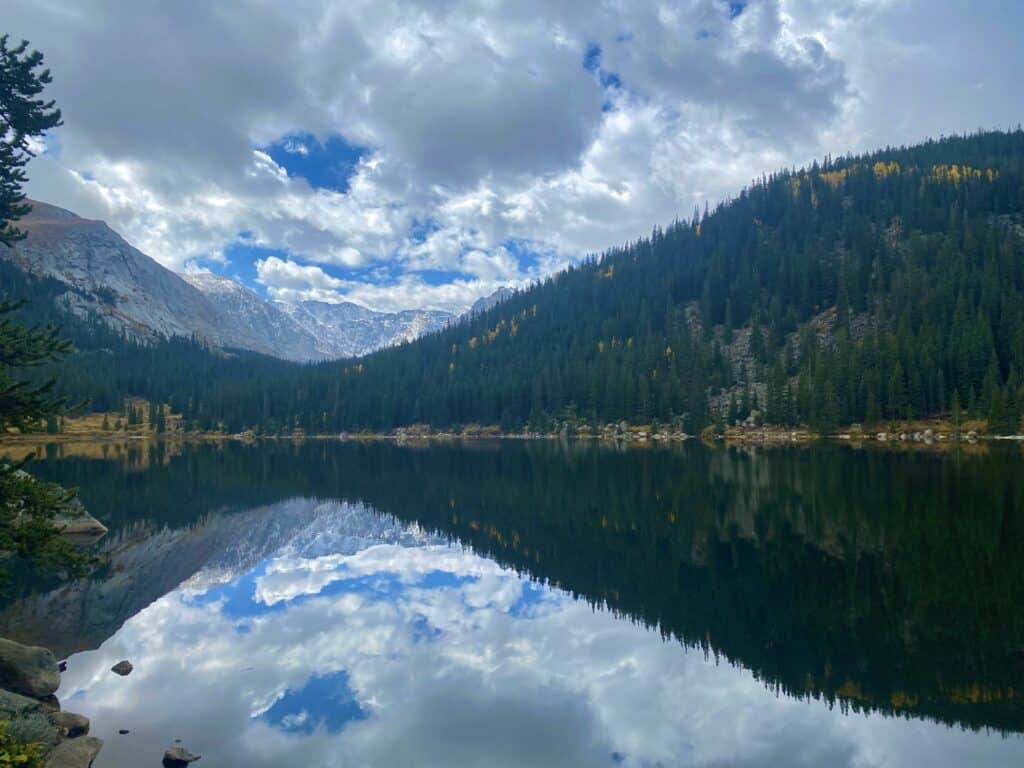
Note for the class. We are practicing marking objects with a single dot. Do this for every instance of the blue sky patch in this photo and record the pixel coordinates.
(238, 597)
(526, 252)
(421, 229)
(736, 7)
(608, 80)
(530, 598)
(442, 276)
(329, 164)
(326, 700)
(242, 256)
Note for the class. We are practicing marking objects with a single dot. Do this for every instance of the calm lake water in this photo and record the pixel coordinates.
(535, 604)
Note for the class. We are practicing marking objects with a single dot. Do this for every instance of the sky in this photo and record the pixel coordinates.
(404, 155)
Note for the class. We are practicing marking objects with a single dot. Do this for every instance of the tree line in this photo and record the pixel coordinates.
(859, 289)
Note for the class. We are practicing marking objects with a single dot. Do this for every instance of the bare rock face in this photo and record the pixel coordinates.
(178, 757)
(28, 670)
(122, 668)
(74, 753)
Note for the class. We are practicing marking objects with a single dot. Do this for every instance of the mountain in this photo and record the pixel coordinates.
(107, 278)
(314, 330)
(278, 333)
(861, 289)
(485, 303)
(345, 329)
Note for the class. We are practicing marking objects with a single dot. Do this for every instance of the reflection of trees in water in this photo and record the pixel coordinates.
(875, 580)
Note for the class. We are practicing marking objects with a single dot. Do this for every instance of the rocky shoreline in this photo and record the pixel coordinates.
(29, 679)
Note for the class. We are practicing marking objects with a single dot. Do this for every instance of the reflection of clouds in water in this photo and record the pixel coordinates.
(428, 655)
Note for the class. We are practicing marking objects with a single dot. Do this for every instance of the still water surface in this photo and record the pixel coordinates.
(533, 604)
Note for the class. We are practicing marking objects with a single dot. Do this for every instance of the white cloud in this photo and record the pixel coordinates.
(481, 119)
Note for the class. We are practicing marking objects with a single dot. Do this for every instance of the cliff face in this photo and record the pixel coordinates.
(109, 278)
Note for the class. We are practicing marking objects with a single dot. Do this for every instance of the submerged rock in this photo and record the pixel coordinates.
(178, 757)
(74, 753)
(28, 670)
(71, 724)
(122, 668)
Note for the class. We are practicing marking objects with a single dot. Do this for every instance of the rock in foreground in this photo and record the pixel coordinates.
(36, 716)
(28, 670)
(74, 753)
(71, 724)
(122, 668)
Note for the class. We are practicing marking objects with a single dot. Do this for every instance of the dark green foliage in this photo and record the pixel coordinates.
(22, 402)
(23, 116)
(17, 754)
(27, 507)
(871, 288)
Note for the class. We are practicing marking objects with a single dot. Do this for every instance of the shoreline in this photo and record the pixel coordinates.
(20, 446)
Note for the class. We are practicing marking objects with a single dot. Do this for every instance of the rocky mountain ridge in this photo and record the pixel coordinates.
(110, 279)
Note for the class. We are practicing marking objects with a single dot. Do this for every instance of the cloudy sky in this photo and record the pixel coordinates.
(404, 154)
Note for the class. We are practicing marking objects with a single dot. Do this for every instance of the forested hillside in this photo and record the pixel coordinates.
(886, 286)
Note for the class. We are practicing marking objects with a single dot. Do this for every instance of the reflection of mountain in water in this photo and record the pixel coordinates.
(143, 561)
(883, 581)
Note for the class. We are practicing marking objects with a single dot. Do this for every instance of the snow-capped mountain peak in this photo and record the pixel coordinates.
(110, 279)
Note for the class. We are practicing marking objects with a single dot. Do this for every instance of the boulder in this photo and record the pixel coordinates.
(74, 753)
(82, 529)
(70, 724)
(122, 668)
(28, 670)
(27, 719)
(178, 757)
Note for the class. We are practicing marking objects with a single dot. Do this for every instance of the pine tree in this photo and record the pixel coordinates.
(23, 116)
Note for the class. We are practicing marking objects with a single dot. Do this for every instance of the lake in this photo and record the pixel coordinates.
(543, 603)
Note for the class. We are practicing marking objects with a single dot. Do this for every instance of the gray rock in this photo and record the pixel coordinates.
(74, 753)
(27, 719)
(70, 724)
(178, 757)
(27, 669)
(83, 529)
(122, 668)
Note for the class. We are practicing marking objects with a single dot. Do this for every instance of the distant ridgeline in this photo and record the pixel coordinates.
(885, 286)
(851, 576)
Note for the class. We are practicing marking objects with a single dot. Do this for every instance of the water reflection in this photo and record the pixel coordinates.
(845, 587)
(422, 653)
